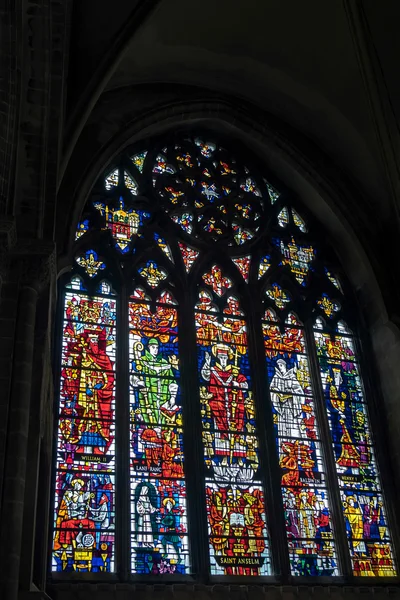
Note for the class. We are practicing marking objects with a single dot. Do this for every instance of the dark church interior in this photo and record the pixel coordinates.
(199, 299)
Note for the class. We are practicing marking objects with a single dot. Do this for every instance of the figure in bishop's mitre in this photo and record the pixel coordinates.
(227, 389)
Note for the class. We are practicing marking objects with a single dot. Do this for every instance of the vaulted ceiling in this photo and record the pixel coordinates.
(299, 61)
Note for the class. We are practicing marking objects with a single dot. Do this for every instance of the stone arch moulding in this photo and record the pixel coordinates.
(295, 168)
(324, 189)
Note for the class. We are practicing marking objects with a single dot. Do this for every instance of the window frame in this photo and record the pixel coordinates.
(352, 315)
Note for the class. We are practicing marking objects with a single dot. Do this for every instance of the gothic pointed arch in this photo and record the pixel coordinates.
(212, 414)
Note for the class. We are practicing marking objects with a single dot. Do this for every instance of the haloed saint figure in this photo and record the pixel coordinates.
(235, 499)
(158, 490)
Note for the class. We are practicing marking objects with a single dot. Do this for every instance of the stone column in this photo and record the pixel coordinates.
(7, 242)
(7, 322)
(34, 273)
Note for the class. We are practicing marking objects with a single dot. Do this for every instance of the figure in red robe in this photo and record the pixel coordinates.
(227, 386)
(87, 392)
(96, 392)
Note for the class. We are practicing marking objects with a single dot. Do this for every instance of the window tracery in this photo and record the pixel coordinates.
(183, 245)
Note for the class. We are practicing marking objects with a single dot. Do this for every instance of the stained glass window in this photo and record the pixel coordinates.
(237, 525)
(84, 503)
(303, 474)
(213, 419)
(158, 490)
(357, 472)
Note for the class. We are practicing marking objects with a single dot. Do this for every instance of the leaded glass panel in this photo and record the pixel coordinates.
(227, 304)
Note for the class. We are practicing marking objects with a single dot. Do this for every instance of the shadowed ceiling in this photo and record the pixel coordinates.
(295, 60)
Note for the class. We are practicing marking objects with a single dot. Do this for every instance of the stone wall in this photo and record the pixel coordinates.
(180, 591)
(38, 212)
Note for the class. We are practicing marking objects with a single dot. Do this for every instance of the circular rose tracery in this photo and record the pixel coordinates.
(208, 193)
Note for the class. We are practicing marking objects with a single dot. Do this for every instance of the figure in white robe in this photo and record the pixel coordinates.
(285, 389)
(145, 507)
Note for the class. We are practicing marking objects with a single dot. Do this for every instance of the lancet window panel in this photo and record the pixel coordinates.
(84, 502)
(352, 442)
(212, 420)
(158, 489)
(304, 481)
(237, 526)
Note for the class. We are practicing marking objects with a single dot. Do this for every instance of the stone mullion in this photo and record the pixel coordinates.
(193, 445)
(122, 449)
(270, 471)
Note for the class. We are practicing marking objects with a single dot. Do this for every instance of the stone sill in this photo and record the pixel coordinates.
(179, 591)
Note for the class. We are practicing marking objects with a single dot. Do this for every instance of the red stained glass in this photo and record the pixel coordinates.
(217, 281)
(189, 255)
(243, 264)
(307, 507)
(358, 477)
(238, 544)
(84, 506)
(158, 489)
(209, 194)
(206, 206)
(124, 223)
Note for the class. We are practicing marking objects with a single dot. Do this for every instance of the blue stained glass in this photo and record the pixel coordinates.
(250, 186)
(84, 503)
(161, 242)
(159, 543)
(159, 540)
(237, 546)
(124, 223)
(208, 194)
(152, 273)
(330, 307)
(309, 528)
(82, 228)
(363, 505)
(91, 263)
(185, 221)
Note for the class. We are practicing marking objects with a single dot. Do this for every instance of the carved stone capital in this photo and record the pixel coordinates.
(36, 263)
